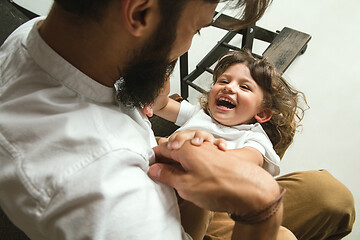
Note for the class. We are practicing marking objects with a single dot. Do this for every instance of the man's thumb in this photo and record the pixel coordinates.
(165, 173)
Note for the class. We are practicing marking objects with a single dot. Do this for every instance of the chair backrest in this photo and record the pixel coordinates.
(284, 47)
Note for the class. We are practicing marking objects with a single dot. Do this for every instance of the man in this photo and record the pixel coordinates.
(74, 161)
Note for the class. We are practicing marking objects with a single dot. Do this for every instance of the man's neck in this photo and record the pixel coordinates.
(87, 46)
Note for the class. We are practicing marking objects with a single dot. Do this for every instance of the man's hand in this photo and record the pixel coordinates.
(216, 180)
(213, 179)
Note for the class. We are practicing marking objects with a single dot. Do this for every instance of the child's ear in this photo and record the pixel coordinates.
(264, 115)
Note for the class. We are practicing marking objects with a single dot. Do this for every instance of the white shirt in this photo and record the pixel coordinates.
(244, 135)
(73, 164)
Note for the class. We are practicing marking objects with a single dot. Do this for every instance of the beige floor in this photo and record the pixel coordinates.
(328, 73)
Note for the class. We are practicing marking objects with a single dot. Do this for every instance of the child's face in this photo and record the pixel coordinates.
(235, 97)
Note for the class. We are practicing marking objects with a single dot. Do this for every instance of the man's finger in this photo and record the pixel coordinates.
(167, 174)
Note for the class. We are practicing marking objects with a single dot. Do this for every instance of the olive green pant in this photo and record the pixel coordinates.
(316, 207)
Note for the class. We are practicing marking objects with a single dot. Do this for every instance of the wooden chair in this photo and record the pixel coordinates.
(285, 46)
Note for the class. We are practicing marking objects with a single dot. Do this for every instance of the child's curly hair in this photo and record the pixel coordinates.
(281, 98)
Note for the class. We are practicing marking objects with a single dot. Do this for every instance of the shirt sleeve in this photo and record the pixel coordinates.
(187, 110)
(271, 160)
(118, 201)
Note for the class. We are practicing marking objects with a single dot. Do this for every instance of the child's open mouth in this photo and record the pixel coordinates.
(227, 103)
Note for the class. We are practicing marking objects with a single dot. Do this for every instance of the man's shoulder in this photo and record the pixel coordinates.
(20, 33)
(14, 57)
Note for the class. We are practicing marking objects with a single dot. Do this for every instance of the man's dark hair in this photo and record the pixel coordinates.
(86, 8)
(251, 10)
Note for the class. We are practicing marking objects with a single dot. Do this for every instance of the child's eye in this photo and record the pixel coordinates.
(245, 87)
(222, 81)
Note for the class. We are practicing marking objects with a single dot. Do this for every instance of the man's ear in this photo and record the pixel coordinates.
(139, 15)
(264, 115)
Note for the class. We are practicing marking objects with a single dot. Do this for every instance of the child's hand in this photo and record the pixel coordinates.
(148, 110)
(160, 101)
(196, 137)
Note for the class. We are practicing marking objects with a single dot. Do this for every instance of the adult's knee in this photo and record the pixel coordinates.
(328, 193)
(317, 205)
(334, 201)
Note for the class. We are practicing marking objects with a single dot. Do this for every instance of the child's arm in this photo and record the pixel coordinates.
(166, 108)
(248, 154)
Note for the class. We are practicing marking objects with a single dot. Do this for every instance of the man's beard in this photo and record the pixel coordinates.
(145, 74)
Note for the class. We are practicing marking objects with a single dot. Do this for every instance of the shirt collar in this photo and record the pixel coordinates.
(61, 70)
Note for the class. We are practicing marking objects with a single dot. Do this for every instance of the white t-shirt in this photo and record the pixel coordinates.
(244, 135)
(73, 163)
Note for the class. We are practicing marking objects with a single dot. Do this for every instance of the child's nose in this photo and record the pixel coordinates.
(230, 87)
